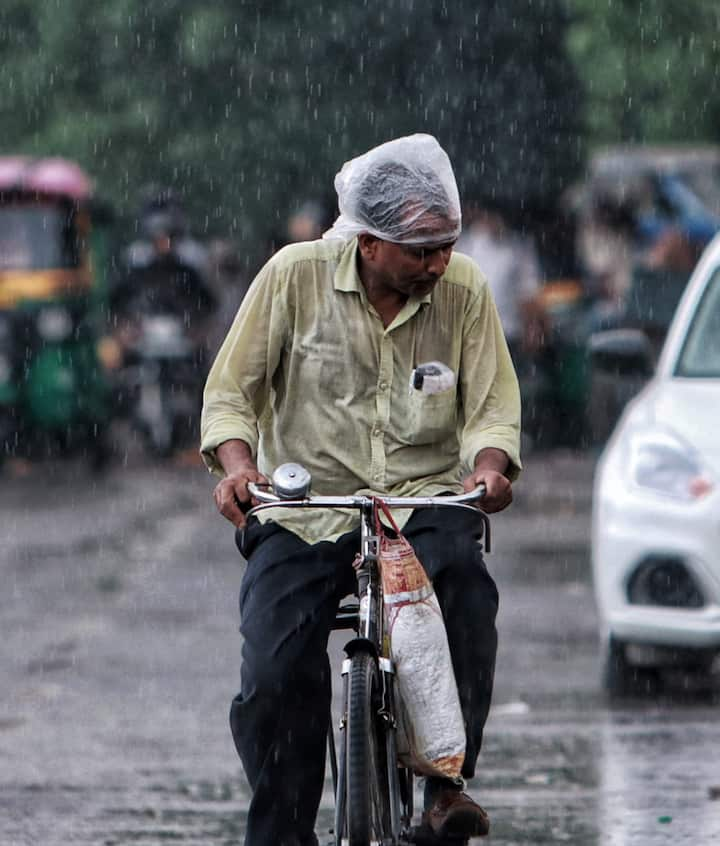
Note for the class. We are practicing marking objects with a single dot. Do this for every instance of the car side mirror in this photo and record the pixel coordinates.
(622, 352)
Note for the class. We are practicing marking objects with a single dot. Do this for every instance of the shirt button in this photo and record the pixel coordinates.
(377, 431)
(383, 385)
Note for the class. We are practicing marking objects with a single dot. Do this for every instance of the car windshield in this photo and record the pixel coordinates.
(700, 356)
(36, 237)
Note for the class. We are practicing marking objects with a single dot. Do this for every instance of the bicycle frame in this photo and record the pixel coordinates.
(367, 619)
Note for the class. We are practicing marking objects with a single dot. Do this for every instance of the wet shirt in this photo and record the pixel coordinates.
(308, 373)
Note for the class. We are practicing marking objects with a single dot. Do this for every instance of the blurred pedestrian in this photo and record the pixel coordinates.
(608, 249)
(307, 223)
(508, 259)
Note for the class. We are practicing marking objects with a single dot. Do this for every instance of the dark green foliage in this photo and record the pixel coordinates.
(651, 69)
(251, 107)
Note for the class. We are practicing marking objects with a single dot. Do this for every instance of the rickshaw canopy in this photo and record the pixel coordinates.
(45, 211)
(53, 177)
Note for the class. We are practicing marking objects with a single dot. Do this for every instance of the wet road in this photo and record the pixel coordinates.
(119, 656)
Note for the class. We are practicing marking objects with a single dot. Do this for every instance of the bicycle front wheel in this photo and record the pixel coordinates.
(368, 807)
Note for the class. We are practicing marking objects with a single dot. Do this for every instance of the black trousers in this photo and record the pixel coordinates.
(288, 599)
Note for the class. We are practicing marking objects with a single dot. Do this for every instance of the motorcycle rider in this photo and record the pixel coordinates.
(164, 273)
(165, 270)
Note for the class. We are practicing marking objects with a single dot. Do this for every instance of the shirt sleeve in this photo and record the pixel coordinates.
(489, 386)
(238, 386)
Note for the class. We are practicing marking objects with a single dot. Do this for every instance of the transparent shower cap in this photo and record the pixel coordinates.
(402, 191)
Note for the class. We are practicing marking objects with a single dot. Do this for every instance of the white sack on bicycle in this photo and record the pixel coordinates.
(431, 733)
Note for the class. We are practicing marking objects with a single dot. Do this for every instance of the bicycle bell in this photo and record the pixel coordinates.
(291, 481)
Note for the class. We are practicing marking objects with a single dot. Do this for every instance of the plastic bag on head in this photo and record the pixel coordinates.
(402, 191)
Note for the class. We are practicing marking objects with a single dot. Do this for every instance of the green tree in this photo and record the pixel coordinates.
(649, 67)
(248, 107)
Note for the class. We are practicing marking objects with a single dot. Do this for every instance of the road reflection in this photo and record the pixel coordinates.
(658, 776)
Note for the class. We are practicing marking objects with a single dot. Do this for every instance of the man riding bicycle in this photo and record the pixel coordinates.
(375, 358)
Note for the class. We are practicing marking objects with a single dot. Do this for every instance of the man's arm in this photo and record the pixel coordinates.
(238, 385)
(231, 492)
(236, 393)
(490, 443)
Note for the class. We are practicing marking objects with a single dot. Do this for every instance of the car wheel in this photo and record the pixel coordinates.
(694, 671)
(622, 679)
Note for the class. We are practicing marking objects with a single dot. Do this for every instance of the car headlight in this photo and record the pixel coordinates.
(661, 461)
(54, 323)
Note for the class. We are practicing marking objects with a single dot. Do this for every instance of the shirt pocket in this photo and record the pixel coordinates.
(431, 417)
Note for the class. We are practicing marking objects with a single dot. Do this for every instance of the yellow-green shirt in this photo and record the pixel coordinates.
(308, 373)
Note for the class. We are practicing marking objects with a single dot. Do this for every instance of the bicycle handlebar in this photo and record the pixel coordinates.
(265, 497)
(465, 501)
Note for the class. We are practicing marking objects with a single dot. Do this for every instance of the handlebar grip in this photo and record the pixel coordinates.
(262, 493)
(244, 506)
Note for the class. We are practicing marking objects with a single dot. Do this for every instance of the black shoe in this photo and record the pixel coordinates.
(455, 817)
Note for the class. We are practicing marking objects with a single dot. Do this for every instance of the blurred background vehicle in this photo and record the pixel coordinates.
(528, 253)
(53, 387)
(642, 217)
(663, 186)
(161, 306)
(656, 501)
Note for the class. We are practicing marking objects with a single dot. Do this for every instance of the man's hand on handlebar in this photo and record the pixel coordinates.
(498, 490)
(231, 494)
(490, 465)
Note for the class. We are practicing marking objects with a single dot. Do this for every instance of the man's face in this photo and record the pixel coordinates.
(411, 270)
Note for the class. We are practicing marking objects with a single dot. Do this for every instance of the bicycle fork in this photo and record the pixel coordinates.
(370, 631)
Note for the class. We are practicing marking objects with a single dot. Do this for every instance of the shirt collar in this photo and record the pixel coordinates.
(347, 277)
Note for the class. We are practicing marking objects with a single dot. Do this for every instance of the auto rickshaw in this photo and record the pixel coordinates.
(53, 390)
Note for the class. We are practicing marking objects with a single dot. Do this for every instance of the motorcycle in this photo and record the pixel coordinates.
(161, 379)
(162, 307)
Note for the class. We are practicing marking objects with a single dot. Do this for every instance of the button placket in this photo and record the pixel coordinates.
(382, 409)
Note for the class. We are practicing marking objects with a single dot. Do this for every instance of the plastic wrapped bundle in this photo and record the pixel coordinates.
(431, 736)
(403, 191)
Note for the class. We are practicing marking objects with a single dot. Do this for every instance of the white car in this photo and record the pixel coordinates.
(656, 505)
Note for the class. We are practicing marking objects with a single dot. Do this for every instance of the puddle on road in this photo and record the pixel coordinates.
(177, 811)
(542, 565)
(608, 778)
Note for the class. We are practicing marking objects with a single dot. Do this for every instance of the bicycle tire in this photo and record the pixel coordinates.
(368, 807)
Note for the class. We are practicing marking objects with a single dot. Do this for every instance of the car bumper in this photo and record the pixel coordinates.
(629, 528)
(697, 629)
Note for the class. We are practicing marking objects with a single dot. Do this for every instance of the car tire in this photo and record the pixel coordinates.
(622, 679)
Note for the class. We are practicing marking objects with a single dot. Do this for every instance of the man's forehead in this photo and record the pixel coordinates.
(430, 229)
(446, 232)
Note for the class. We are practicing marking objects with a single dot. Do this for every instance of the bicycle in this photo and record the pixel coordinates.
(373, 793)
